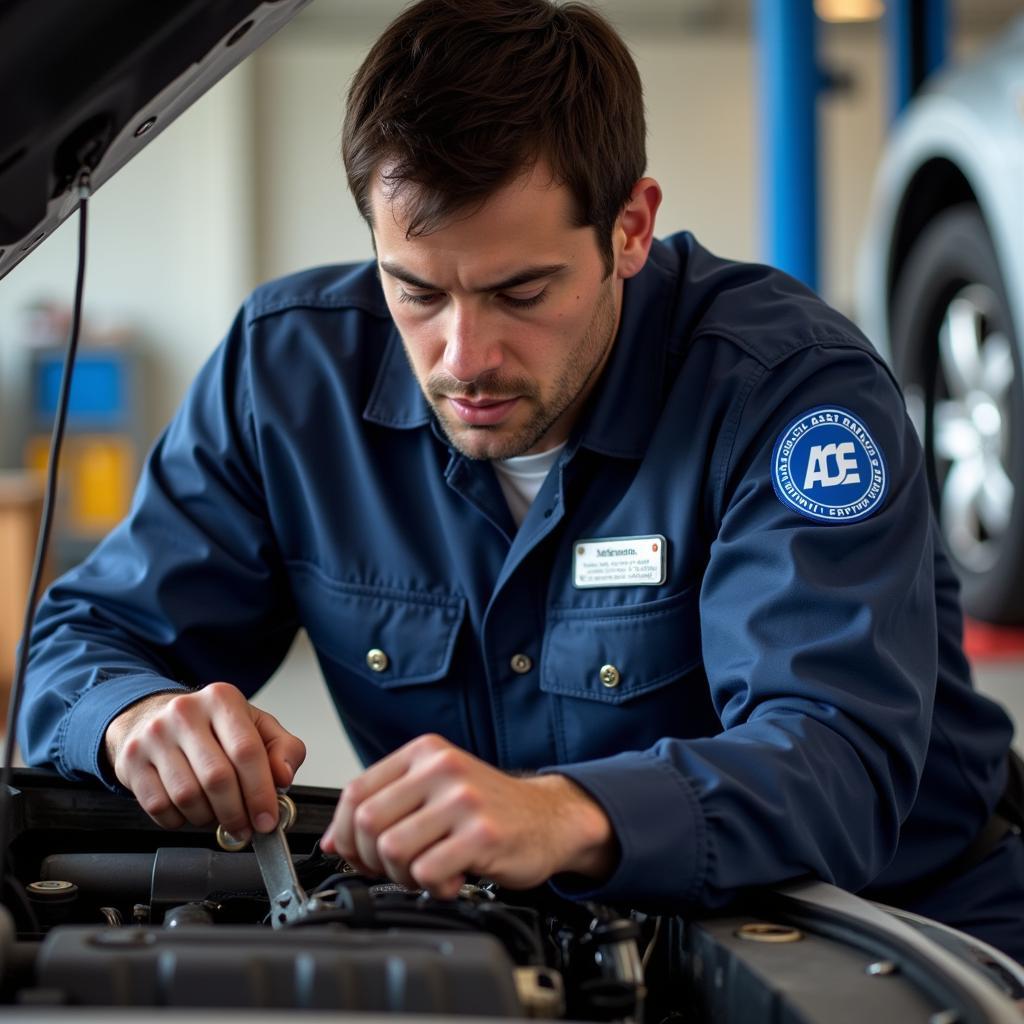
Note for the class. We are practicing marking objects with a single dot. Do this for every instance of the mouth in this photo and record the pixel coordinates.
(482, 412)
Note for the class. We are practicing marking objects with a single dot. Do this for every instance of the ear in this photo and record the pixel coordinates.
(634, 228)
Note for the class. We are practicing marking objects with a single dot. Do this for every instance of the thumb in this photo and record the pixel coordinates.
(285, 751)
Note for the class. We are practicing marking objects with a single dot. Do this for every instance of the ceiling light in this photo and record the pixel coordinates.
(849, 10)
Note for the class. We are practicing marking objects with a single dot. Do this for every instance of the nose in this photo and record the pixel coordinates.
(471, 348)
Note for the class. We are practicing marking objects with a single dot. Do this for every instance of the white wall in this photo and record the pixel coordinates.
(702, 144)
(170, 248)
(249, 185)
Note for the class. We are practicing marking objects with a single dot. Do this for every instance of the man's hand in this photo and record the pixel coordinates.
(430, 813)
(204, 757)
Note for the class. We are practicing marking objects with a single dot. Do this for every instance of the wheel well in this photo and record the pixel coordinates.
(937, 185)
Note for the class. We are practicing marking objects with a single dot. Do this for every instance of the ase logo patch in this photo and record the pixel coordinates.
(827, 467)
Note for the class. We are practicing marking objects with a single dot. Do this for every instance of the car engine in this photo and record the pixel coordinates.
(103, 909)
(109, 910)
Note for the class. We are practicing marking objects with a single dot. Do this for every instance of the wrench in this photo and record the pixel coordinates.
(287, 897)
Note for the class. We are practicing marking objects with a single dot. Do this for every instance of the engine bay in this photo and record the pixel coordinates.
(108, 913)
(101, 908)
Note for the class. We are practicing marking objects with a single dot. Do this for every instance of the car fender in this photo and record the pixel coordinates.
(974, 119)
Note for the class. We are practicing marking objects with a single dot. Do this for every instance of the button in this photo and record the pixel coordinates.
(610, 676)
(521, 663)
(377, 660)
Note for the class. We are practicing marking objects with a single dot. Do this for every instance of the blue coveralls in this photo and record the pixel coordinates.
(789, 695)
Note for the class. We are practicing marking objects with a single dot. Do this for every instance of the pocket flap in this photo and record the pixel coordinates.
(391, 637)
(613, 655)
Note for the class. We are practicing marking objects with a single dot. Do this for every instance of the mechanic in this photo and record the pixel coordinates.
(618, 557)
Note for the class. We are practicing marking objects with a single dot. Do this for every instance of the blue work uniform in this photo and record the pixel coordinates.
(785, 695)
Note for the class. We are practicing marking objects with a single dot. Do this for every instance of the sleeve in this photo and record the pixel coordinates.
(187, 590)
(819, 645)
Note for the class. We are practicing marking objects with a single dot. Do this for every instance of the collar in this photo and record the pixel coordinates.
(396, 399)
(627, 400)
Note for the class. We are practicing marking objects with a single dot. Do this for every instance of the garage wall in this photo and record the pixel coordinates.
(702, 145)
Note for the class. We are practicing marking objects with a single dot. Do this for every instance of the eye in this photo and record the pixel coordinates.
(418, 298)
(524, 303)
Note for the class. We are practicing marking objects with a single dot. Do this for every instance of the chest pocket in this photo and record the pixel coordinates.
(614, 655)
(393, 638)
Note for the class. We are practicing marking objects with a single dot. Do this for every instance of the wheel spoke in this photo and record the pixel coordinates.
(958, 510)
(959, 346)
(956, 438)
(995, 498)
(996, 365)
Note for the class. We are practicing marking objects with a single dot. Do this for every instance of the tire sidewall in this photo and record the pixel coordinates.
(955, 250)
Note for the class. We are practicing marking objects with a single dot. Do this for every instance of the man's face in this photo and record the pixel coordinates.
(506, 314)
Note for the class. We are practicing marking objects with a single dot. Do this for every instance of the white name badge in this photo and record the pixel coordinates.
(619, 562)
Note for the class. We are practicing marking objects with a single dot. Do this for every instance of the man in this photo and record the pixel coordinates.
(617, 557)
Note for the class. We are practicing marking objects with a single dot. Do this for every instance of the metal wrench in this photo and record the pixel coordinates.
(287, 897)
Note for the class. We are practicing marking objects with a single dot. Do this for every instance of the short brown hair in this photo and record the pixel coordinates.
(461, 96)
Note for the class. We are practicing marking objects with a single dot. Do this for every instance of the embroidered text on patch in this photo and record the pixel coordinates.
(827, 467)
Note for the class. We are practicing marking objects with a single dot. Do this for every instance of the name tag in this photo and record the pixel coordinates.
(619, 562)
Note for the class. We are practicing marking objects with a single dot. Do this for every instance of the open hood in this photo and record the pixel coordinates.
(90, 82)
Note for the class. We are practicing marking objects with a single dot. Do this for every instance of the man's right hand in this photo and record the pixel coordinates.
(204, 757)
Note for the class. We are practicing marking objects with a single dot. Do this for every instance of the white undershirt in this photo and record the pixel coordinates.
(521, 479)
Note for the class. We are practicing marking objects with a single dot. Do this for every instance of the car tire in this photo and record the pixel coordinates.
(955, 353)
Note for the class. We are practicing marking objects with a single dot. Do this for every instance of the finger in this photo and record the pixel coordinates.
(408, 821)
(243, 746)
(380, 774)
(329, 845)
(285, 751)
(441, 869)
(153, 798)
(483, 846)
(340, 834)
(182, 786)
(380, 814)
(218, 779)
(415, 831)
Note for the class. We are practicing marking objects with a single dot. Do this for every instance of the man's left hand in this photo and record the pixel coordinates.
(430, 813)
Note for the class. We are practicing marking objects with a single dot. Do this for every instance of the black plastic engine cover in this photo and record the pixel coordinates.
(323, 967)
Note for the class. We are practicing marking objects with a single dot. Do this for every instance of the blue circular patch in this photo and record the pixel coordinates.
(827, 467)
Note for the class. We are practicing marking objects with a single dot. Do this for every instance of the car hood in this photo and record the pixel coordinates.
(91, 84)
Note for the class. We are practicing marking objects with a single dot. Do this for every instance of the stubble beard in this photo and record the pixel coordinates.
(574, 378)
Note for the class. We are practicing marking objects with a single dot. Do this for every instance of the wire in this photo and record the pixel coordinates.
(84, 188)
(650, 945)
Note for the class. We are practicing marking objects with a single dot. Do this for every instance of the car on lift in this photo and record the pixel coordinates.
(940, 291)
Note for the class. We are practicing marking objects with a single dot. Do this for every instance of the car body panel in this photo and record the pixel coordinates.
(973, 118)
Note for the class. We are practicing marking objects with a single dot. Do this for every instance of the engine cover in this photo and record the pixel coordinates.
(327, 967)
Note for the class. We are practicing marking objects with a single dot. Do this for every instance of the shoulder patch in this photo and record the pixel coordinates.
(827, 467)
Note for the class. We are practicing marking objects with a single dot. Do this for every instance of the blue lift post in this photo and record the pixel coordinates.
(788, 86)
(918, 32)
(789, 82)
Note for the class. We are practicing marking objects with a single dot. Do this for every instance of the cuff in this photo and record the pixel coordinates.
(660, 827)
(81, 747)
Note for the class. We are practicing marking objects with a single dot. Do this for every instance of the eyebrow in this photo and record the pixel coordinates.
(524, 276)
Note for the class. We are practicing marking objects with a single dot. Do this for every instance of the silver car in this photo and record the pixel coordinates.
(941, 292)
